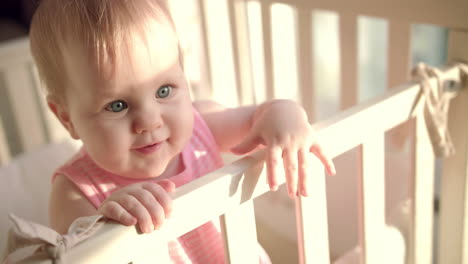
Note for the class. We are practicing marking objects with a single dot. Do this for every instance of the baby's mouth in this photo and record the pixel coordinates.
(149, 148)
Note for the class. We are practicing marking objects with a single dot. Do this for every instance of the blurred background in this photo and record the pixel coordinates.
(15, 17)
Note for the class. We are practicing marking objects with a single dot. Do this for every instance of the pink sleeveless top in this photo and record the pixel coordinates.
(201, 155)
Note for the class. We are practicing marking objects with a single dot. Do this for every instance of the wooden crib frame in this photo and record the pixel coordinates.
(232, 188)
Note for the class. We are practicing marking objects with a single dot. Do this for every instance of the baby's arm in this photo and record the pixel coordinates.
(66, 204)
(281, 126)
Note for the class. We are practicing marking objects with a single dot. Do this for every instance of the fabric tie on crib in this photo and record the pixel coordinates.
(437, 105)
(28, 239)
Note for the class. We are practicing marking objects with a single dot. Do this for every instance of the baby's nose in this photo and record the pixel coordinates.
(147, 122)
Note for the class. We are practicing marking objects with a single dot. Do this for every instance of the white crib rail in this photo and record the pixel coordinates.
(230, 190)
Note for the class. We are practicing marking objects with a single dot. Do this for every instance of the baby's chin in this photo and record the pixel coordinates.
(140, 169)
(138, 174)
(133, 169)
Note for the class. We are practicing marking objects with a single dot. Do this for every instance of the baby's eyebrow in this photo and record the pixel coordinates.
(105, 95)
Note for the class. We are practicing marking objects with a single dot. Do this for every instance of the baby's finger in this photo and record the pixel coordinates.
(161, 196)
(290, 168)
(114, 211)
(135, 208)
(152, 206)
(273, 160)
(304, 171)
(168, 185)
(326, 161)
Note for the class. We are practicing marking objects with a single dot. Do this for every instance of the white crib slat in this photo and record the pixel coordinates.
(4, 150)
(221, 53)
(240, 235)
(349, 65)
(18, 80)
(420, 249)
(284, 42)
(372, 199)
(305, 68)
(268, 50)
(399, 53)
(239, 27)
(453, 214)
(312, 220)
(204, 89)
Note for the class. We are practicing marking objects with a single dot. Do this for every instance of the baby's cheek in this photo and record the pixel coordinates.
(110, 154)
(109, 143)
(115, 142)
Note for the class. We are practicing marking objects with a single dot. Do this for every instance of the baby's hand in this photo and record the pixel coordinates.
(283, 127)
(145, 203)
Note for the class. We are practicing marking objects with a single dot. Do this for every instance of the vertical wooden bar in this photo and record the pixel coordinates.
(223, 80)
(398, 53)
(268, 49)
(206, 91)
(349, 64)
(285, 50)
(306, 84)
(453, 237)
(4, 149)
(421, 229)
(372, 199)
(240, 235)
(25, 108)
(241, 50)
(312, 220)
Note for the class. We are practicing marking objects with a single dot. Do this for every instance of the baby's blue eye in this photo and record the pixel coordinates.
(117, 106)
(164, 91)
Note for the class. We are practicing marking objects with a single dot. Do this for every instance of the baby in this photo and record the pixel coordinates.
(115, 80)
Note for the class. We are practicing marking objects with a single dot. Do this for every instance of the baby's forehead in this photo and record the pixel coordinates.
(155, 33)
(138, 59)
(156, 41)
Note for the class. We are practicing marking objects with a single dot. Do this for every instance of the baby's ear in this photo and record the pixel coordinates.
(58, 107)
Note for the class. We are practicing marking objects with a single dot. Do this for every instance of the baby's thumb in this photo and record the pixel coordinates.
(168, 186)
(247, 145)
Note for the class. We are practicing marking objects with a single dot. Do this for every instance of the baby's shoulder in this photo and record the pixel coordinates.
(66, 203)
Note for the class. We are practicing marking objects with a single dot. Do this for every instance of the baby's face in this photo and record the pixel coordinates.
(137, 122)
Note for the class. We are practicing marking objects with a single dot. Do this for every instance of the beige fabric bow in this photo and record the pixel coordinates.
(27, 239)
(437, 105)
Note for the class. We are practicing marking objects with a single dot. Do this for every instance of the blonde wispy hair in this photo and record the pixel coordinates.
(102, 27)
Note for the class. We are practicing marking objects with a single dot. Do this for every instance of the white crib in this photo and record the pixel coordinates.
(238, 60)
